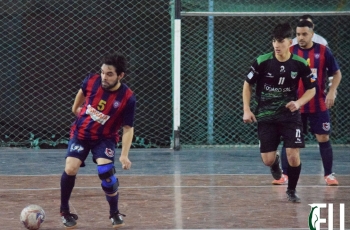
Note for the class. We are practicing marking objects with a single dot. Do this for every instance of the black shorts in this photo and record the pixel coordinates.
(271, 133)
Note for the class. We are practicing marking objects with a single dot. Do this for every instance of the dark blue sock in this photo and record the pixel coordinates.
(293, 176)
(284, 161)
(67, 185)
(113, 203)
(327, 156)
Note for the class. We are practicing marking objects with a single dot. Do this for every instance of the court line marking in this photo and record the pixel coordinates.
(262, 228)
(141, 175)
(177, 194)
(179, 187)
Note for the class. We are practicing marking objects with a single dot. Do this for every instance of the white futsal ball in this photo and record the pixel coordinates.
(32, 216)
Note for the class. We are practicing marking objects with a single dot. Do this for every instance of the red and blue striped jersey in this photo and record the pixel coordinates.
(103, 112)
(321, 62)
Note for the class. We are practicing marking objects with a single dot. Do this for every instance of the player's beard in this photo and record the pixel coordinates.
(303, 44)
(109, 86)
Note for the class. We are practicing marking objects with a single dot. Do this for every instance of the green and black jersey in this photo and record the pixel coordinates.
(277, 84)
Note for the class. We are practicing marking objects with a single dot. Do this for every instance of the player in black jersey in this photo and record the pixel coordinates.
(276, 76)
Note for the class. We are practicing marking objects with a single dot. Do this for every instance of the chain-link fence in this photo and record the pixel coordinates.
(48, 47)
(264, 6)
(226, 42)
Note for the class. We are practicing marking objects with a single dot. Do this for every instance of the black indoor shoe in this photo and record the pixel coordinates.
(69, 219)
(292, 196)
(117, 220)
(275, 168)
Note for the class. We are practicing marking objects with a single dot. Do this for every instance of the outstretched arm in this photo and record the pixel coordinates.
(79, 100)
(332, 92)
(248, 116)
(128, 133)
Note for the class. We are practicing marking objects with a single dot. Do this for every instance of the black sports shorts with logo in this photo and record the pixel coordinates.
(270, 134)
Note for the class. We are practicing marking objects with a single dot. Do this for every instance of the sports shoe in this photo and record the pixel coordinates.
(275, 168)
(117, 220)
(331, 180)
(69, 219)
(292, 196)
(282, 181)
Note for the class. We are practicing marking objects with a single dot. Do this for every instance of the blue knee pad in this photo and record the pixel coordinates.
(106, 173)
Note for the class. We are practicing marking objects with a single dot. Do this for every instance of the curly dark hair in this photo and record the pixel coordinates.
(117, 60)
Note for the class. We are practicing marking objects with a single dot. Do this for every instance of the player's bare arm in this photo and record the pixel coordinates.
(295, 105)
(332, 92)
(79, 100)
(248, 116)
(128, 133)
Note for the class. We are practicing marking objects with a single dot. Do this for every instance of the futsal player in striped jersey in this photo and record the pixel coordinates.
(316, 111)
(102, 106)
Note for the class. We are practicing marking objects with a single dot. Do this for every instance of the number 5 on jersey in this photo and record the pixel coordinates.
(101, 105)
